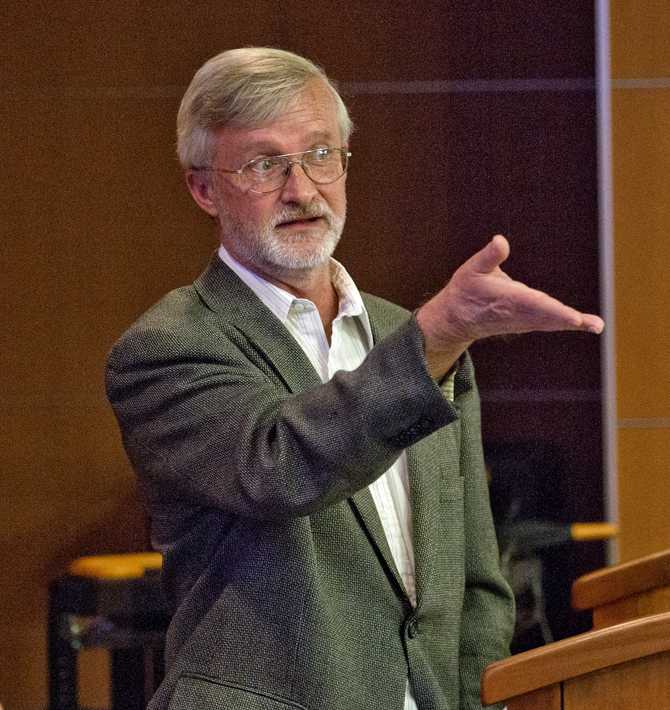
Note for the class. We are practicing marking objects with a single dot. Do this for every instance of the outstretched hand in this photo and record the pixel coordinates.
(481, 300)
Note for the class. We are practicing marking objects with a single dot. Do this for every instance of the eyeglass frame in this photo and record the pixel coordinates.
(345, 153)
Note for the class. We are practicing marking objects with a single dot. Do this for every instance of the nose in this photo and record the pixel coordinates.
(298, 187)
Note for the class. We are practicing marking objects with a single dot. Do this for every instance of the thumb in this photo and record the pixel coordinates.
(491, 256)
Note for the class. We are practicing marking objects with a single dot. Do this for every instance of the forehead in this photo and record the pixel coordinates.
(308, 119)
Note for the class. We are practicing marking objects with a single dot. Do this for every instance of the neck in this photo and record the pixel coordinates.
(313, 284)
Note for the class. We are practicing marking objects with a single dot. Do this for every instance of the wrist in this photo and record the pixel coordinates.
(442, 348)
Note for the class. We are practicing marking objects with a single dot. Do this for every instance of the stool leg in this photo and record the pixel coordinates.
(62, 658)
(157, 667)
(128, 679)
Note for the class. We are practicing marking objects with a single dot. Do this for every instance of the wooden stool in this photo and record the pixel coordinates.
(113, 602)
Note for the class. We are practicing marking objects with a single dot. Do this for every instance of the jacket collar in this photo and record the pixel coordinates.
(238, 307)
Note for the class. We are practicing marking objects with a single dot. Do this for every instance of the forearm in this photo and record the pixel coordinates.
(216, 431)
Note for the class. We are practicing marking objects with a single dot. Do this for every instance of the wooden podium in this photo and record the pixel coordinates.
(626, 591)
(624, 663)
(621, 667)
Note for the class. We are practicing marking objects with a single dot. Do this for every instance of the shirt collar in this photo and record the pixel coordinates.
(276, 299)
(280, 301)
(351, 302)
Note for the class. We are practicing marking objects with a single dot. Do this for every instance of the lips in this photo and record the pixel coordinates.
(300, 222)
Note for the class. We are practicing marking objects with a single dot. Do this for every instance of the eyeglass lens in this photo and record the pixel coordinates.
(322, 166)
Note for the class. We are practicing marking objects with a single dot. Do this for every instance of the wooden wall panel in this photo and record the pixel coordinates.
(641, 164)
(644, 465)
(642, 219)
(639, 35)
(434, 40)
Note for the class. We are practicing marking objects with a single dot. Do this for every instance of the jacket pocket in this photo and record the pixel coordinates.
(195, 692)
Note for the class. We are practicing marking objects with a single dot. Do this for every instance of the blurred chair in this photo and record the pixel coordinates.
(521, 544)
(537, 546)
(113, 602)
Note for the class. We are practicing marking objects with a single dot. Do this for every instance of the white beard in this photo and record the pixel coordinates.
(270, 250)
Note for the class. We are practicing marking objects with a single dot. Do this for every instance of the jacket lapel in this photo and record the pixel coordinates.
(365, 511)
(424, 485)
(226, 294)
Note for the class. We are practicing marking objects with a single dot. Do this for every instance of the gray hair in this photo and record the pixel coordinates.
(244, 87)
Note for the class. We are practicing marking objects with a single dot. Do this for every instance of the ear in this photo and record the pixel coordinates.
(199, 185)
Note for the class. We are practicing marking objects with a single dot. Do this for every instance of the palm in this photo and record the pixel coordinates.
(481, 300)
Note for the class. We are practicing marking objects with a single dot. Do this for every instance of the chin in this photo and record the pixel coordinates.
(267, 250)
(299, 262)
(301, 252)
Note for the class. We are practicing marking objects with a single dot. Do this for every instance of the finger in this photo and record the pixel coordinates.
(555, 315)
(592, 323)
(491, 256)
(574, 319)
(584, 322)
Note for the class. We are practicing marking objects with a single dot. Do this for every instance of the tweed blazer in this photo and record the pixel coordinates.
(282, 584)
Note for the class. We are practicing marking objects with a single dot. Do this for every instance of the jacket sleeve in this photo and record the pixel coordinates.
(487, 620)
(207, 421)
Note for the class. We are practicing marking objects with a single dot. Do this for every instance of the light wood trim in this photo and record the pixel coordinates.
(593, 531)
(548, 698)
(613, 583)
(574, 657)
(655, 601)
(637, 685)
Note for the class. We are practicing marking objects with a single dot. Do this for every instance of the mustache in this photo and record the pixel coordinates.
(310, 211)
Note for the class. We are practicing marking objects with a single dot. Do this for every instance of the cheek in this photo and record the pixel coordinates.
(337, 200)
(250, 212)
(262, 210)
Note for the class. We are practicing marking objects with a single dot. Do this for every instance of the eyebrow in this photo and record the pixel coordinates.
(264, 147)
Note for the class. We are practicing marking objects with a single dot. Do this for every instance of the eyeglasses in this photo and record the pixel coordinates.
(269, 173)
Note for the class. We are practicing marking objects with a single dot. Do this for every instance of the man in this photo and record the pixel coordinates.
(311, 458)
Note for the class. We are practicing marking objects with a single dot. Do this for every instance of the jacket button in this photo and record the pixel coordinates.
(412, 627)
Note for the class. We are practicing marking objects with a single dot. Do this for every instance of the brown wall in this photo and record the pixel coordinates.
(97, 226)
(641, 165)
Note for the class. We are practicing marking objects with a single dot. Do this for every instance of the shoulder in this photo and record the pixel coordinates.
(174, 308)
(178, 316)
(192, 318)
